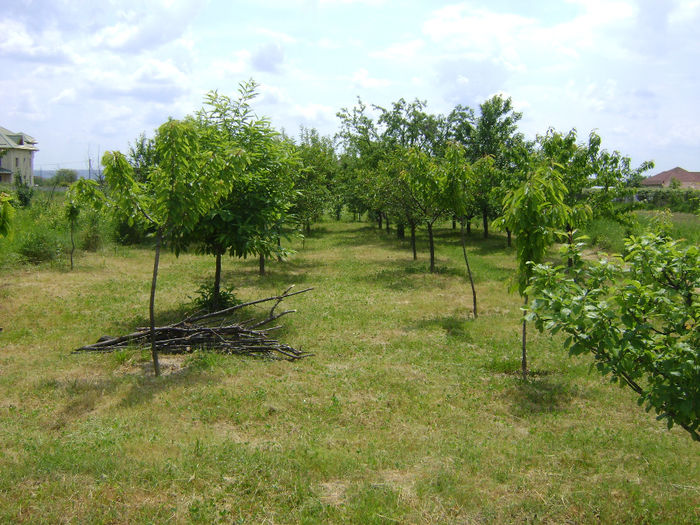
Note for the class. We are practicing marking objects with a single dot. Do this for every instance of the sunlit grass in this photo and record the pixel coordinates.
(410, 411)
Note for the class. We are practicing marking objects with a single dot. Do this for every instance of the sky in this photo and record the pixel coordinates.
(85, 77)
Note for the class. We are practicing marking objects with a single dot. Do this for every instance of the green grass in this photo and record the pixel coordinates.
(410, 411)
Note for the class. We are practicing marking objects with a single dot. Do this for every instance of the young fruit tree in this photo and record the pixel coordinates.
(248, 220)
(427, 180)
(82, 193)
(638, 317)
(318, 166)
(534, 212)
(190, 177)
(460, 196)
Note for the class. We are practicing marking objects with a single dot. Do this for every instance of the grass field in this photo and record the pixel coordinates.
(409, 411)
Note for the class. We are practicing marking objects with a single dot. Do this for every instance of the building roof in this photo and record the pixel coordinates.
(677, 173)
(11, 140)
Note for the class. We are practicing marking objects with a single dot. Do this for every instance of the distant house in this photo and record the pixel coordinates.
(17, 156)
(687, 179)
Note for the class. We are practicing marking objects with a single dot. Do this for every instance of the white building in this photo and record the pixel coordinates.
(16, 156)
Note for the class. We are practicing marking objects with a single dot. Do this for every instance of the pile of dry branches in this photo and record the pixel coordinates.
(216, 331)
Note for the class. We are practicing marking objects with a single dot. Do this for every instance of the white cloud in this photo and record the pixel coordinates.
(401, 51)
(685, 12)
(315, 112)
(361, 78)
(17, 42)
(276, 36)
(67, 95)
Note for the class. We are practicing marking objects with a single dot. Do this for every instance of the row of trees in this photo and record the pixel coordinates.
(224, 181)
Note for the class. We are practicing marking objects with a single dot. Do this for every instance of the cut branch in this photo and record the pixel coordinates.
(215, 331)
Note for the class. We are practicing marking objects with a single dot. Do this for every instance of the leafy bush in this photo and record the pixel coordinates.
(24, 192)
(128, 232)
(677, 200)
(639, 318)
(206, 299)
(38, 246)
(91, 236)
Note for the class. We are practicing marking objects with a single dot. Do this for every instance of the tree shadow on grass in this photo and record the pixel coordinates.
(457, 326)
(409, 275)
(146, 386)
(542, 393)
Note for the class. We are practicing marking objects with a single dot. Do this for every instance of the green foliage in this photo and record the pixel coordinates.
(318, 171)
(64, 177)
(534, 212)
(606, 234)
(191, 176)
(23, 191)
(7, 212)
(92, 233)
(249, 219)
(639, 318)
(677, 200)
(206, 298)
(495, 133)
(39, 245)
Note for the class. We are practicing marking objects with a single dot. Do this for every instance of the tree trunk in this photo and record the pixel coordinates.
(570, 241)
(262, 264)
(454, 222)
(400, 231)
(524, 361)
(217, 283)
(379, 219)
(469, 225)
(509, 233)
(72, 242)
(386, 219)
(469, 271)
(151, 305)
(485, 217)
(413, 241)
(432, 247)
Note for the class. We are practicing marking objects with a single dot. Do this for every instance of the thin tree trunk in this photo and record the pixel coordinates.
(379, 219)
(413, 241)
(454, 222)
(386, 220)
(72, 243)
(307, 227)
(151, 306)
(570, 241)
(485, 217)
(432, 247)
(509, 233)
(469, 225)
(217, 282)
(261, 264)
(469, 271)
(400, 231)
(525, 346)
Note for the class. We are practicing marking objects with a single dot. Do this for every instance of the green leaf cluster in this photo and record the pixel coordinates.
(7, 212)
(639, 317)
(534, 212)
